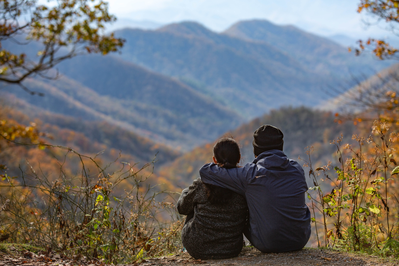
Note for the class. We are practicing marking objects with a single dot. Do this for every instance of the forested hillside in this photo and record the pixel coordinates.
(302, 127)
(315, 53)
(247, 74)
(183, 85)
(123, 94)
(98, 139)
(366, 94)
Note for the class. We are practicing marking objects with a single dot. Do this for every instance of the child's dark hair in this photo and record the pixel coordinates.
(227, 154)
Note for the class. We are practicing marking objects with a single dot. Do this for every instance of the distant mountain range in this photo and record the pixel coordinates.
(154, 106)
(123, 23)
(184, 85)
(252, 67)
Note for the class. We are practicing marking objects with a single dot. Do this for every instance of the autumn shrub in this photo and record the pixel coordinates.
(101, 212)
(355, 204)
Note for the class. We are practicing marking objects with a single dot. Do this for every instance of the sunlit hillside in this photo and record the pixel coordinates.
(154, 106)
(111, 146)
(302, 127)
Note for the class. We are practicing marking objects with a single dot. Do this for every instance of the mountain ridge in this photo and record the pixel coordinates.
(225, 70)
(143, 106)
(88, 137)
(299, 44)
(246, 74)
(184, 84)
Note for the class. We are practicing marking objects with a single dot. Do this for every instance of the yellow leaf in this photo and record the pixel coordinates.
(374, 209)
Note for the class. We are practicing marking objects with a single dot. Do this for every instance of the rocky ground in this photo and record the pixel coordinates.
(248, 256)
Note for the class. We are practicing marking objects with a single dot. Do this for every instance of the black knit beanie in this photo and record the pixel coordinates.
(267, 137)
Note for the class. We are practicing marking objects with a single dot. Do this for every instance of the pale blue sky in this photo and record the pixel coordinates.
(324, 17)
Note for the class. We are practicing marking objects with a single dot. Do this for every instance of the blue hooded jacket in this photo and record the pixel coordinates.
(274, 187)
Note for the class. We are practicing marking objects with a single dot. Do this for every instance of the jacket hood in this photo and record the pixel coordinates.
(272, 159)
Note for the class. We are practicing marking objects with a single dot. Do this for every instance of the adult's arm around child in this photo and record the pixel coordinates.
(235, 179)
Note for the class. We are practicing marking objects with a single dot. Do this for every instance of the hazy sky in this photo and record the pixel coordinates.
(324, 17)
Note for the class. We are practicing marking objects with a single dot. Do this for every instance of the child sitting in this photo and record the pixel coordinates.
(216, 217)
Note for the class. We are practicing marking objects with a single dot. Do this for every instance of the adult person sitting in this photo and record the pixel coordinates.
(274, 187)
(216, 217)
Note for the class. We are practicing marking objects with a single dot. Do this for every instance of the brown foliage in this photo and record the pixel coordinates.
(387, 10)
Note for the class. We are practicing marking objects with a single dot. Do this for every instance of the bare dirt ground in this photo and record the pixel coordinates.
(249, 256)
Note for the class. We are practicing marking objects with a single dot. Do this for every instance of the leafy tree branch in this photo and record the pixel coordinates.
(67, 29)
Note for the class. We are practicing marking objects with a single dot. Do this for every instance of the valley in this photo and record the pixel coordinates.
(173, 91)
(106, 119)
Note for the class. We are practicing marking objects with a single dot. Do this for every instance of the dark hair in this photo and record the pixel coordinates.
(227, 154)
